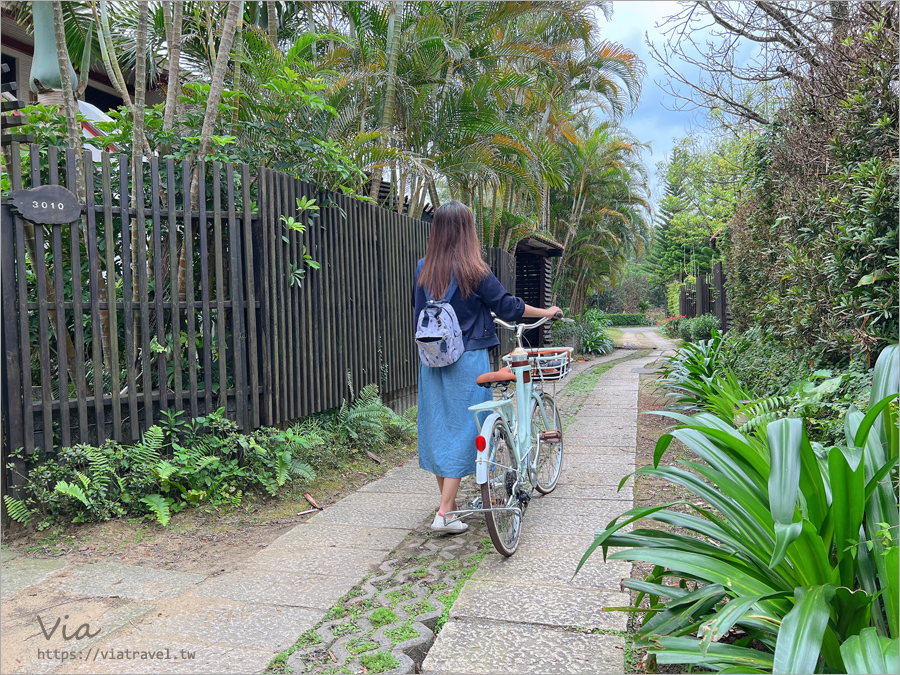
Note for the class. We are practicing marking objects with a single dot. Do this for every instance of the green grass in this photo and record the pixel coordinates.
(378, 663)
(360, 645)
(402, 633)
(399, 595)
(382, 617)
(449, 598)
(631, 659)
(421, 607)
(344, 628)
(420, 573)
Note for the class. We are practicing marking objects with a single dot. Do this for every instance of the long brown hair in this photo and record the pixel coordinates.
(453, 248)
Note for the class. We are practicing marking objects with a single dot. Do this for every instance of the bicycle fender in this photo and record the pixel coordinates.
(481, 459)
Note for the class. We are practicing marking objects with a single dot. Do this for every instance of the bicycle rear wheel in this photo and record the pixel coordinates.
(499, 491)
(548, 459)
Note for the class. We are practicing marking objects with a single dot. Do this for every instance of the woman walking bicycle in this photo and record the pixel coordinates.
(453, 273)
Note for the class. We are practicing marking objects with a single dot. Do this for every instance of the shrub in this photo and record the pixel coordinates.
(588, 333)
(593, 338)
(703, 326)
(627, 320)
(790, 545)
(669, 326)
(187, 463)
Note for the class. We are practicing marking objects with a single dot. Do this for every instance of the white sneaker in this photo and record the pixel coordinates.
(440, 525)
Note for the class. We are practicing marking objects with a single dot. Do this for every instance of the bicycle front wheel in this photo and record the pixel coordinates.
(548, 458)
(499, 492)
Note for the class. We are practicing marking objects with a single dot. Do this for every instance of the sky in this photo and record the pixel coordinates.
(653, 120)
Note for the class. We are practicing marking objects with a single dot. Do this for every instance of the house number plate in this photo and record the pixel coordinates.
(48, 205)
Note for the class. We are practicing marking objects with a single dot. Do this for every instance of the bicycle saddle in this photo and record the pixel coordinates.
(495, 376)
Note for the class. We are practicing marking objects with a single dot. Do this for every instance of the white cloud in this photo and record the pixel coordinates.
(654, 120)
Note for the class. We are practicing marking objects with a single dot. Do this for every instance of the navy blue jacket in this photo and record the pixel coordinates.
(474, 312)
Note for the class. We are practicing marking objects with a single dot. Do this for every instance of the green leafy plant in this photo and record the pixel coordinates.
(627, 319)
(765, 546)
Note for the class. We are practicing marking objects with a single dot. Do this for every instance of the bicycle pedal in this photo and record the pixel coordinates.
(474, 504)
(553, 436)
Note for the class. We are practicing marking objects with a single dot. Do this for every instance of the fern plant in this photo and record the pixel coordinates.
(401, 428)
(17, 510)
(159, 506)
(362, 422)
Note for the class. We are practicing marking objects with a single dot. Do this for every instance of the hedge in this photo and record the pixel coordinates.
(627, 320)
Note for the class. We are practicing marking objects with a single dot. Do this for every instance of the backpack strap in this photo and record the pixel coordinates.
(451, 289)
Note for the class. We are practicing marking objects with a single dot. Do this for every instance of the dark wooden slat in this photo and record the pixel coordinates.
(8, 106)
(370, 287)
(109, 230)
(347, 267)
(40, 273)
(144, 296)
(337, 379)
(77, 305)
(237, 325)
(24, 328)
(310, 307)
(61, 329)
(276, 279)
(310, 390)
(290, 333)
(172, 222)
(15, 398)
(250, 294)
(381, 319)
(393, 352)
(128, 290)
(261, 256)
(297, 292)
(281, 282)
(94, 285)
(222, 347)
(191, 314)
(203, 226)
(355, 258)
(14, 121)
(159, 281)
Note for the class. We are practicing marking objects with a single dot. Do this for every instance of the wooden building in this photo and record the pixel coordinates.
(533, 261)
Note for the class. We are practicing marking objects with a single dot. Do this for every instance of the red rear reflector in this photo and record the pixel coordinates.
(480, 443)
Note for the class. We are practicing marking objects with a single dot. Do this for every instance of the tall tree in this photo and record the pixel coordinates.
(173, 87)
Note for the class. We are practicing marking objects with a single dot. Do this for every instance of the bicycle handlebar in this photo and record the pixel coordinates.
(519, 327)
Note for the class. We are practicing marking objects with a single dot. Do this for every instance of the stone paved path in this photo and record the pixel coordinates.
(526, 614)
(236, 621)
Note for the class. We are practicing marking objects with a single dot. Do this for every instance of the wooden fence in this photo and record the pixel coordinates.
(707, 296)
(141, 308)
(504, 267)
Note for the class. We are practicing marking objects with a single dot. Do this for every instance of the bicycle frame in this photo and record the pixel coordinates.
(516, 419)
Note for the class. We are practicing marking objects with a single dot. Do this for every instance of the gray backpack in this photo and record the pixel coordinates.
(438, 335)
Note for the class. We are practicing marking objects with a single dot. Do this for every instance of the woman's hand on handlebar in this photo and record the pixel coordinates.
(532, 312)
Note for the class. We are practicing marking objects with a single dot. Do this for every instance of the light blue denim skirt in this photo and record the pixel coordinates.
(447, 429)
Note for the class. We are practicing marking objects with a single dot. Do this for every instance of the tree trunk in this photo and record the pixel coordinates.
(138, 229)
(433, 193)
(174, 63)
(217, 85)
(111, 63)
(238, 60)
(390, 89)
(73, 131)
(311, 27)
(272, 23)
(495, 189)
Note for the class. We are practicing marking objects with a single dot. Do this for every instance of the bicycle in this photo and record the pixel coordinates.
(520, 444)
